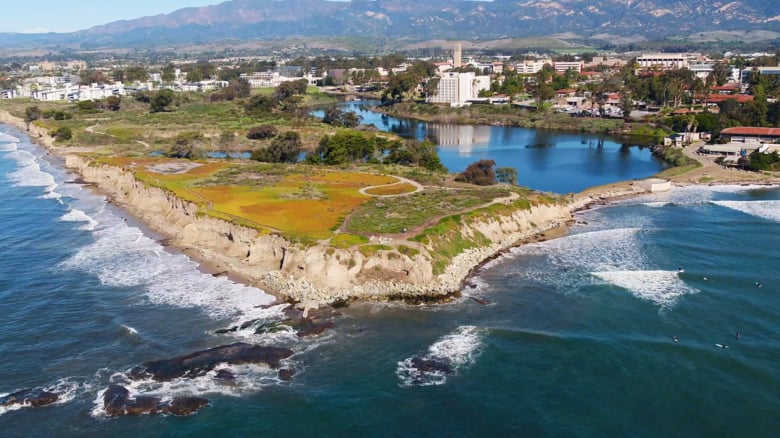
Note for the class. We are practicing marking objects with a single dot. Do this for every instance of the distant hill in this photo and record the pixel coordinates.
(422, 20)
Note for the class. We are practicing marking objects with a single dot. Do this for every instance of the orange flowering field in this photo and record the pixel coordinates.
(308, 203)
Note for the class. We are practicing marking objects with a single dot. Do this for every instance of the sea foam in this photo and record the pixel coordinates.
(76, 215)
(456, 350)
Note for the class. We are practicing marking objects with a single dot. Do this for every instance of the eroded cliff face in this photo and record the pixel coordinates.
(312, 274)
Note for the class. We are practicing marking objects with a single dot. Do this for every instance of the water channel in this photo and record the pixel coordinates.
(555, 161)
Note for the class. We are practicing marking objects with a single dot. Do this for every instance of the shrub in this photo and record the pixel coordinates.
(261, 132)
(62, 134)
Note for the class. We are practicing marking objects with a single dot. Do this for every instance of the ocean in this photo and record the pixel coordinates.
(577, 337)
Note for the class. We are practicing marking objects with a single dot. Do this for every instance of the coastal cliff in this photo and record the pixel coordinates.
(318, 274)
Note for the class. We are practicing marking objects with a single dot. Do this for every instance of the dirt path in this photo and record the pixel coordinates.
(401, 180)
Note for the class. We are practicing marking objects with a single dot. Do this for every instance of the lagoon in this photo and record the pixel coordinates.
(561, 162)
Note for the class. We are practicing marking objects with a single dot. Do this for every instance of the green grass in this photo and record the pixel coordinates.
(345, 240)
(394, 215)
(371, 250)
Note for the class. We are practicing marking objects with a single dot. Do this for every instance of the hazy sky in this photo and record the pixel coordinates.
(71, 15)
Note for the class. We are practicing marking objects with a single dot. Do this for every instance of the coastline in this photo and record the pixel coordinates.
(462, 268)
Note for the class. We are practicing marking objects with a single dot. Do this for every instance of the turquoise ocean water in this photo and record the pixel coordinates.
(576, 340)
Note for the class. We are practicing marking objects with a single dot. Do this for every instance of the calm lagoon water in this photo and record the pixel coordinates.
(560, 162)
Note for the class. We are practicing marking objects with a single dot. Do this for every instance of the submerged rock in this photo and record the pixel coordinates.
(117, 402)
(286, 374)
(184, 406)
(201, 362)
(225, 375)
(35, 397)
(427, 366)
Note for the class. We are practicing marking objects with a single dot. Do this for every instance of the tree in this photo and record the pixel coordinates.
(31, 114)
(112, 103)
(336, 117)
(286, 90)
(168, 73)
(283, 149)
(260, 105)
(720, 73)
(136, 73)
(160, 100)
(480, 173)
(507, 175)
(184, 145)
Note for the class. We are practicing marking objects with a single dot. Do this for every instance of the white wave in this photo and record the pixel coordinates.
(249, 379)
(8, 147)
(123, 256)
(595, 250)
(66, 390)
(769, 210)
(76, 215)
(6, 138)
(29, 173)
(456, 350)
(129, 330)
(659, 287)
(659, 204)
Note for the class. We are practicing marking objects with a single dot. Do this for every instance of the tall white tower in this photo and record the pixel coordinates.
(456, 62)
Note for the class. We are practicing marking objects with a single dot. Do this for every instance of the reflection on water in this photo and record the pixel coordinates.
(461, 138)
(555, 161)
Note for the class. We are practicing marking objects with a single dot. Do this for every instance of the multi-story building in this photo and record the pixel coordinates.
(564, 66)
(532, 67)
(662, 61)
(457, 89)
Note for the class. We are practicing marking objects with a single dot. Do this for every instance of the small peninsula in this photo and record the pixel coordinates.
(312, 232)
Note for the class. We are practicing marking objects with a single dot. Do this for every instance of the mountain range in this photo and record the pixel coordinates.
(421, 20)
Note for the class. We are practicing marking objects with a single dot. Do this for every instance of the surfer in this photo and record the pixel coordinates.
(680, 270)
(736, 335)
(675, 339)
(722, 345)
(758, 284)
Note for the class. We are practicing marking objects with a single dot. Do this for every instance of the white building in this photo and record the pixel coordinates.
(663, 61)
(563, 66)
(457, 89)
(532, 67)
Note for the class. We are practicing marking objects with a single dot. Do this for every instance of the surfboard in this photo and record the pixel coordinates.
(721, 346)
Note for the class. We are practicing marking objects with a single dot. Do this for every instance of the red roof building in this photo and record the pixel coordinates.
(717, 98)
(745, 134)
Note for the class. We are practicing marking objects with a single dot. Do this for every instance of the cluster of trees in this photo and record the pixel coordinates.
(236, 89)
(285, 148)
(158, 101)
(758, 161)
(334, 116)
(481, 173)
(401, 85)
(287, 97)
(356, 147)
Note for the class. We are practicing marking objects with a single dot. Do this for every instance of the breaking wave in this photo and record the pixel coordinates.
(769, 210)
(659, 287)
